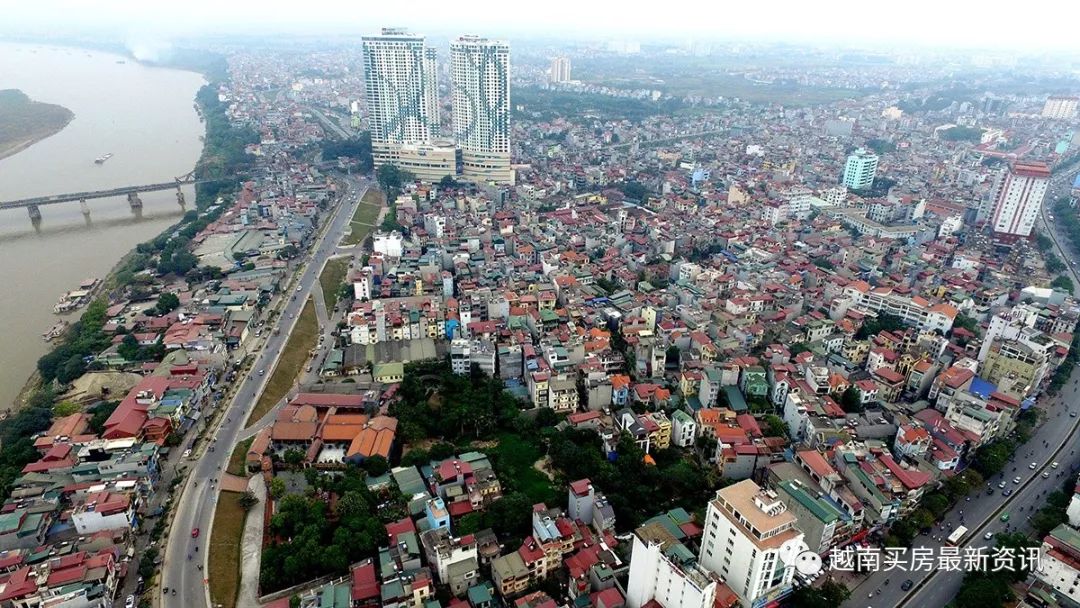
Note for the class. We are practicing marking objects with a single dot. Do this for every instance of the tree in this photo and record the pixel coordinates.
(376, 465)
(968, 134)
(65, 408)
(167, 302)
(294, 457)
(128, 348)
(830, 594)
(634, 191)
(391, 178)
(100, 413)
(991, 458)
(851, 400)
(776, 427)
(1062, 283)
(277, 488)
(248, 500)
(968, 323)
(872, 326)
(981, 589)
(288, 252)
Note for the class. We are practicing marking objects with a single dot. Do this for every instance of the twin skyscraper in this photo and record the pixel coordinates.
(401, 87)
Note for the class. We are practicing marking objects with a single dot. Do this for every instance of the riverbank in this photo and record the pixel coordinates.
(217, 136)
(24, 122)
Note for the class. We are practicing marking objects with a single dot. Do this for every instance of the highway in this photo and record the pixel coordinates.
(981, 514)
(195, 508)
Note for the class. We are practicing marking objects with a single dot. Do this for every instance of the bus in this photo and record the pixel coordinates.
(956, 536)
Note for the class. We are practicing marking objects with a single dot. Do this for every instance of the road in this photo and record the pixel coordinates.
(982, 513)
(195, 508)
(328, 123)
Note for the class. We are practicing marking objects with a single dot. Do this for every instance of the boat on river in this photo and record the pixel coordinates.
(55, 331)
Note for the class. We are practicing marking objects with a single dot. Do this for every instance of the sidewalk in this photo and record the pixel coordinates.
(251, 546)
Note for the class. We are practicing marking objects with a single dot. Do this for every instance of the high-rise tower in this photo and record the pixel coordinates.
(480, 71)
(1018, 198)
(402, 93)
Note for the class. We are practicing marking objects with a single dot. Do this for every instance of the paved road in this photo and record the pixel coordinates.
(195, 509)
(982, 513)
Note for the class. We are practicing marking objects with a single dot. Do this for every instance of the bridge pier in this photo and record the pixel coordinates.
(180, 198)
(35, 214)
(134, 201)
(85, 208)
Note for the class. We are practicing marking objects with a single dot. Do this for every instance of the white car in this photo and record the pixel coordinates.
(1033, 466)
(1054, 465)
(1016, 480)
(1046, 475)
(1002, 485)
(129, 602)
(988, 535)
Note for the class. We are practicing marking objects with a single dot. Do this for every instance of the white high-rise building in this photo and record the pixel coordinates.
(1018, 197)
(662, 569)
(560, 70)
(1059, 106)
(480, 71)
(402, 92)
(860, 169)
(747, 529)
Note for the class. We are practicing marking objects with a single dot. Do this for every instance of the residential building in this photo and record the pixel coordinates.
(1059, 562)
(1018, 197)
(664, 572)
(480, 71)
(1060, 107)
(560, 70)
(746, 528)
(401, 89)
(860, 169)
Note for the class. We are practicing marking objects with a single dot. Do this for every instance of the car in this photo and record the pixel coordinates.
(908, 584)
(186, 454)
(1046, 475)
(1007, 492)
(988, 535)
(194, 533)
(1072, 414)
(1016, 480)
(1005, 516)
(1001, 485)
(129, 602)
(262, 372)
(1054, 465)
(989, 491)
(1033, 466)
(299, 288)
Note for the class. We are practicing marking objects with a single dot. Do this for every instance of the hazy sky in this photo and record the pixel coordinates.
(988, 24)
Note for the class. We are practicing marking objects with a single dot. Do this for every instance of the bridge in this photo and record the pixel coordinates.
(33, 205)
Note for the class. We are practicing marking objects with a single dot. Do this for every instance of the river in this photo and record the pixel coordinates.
(146, 118)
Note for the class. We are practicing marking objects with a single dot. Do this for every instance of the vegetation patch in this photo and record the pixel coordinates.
(224, 549)
(331, 279)
(24, 121)
(363, 220)
(238, 459)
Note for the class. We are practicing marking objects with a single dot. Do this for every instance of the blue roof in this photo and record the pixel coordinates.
(1076, 182)
(981, 387)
